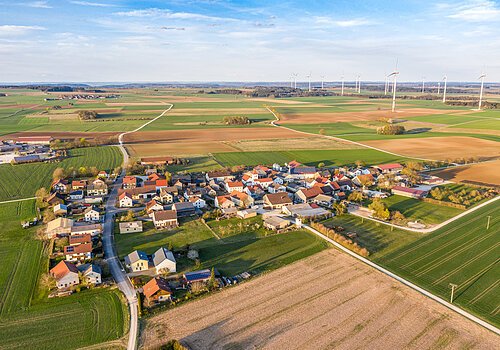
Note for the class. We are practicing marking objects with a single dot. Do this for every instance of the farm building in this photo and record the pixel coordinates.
(409, 192)
(197, 276)
(59, 227)
(246, 213)
(35, 140)
(184, 209)
(276, 223)
(91, 229)
(130, 227)
(389, 168)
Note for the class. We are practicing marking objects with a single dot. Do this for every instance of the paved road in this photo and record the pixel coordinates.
(114, 263)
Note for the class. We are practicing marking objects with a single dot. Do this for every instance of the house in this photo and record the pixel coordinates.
(198, 202)
(129, 182)
(306, 195)
(166, 196)
(55, 198)
(305, 210)
(92, 214)
(224, 202)
(91, 229)
(157, 161)
(389, 168)
(363, 180)
(97, 188)
(246, 213)
(152, 206)
(409, 192)
(165, 219)
(78, 185)
(276, 223)
(241, 200)
(234, 186)
(255, 191)
(80, 239)
(164, 260)
(59, 227)
(184, 209)
(161, 183)
(103, 174)
(125, 200)
(91, 273)
(137, 261)
(79, 252)
(130, 227)
(197, 276)
(276, 187)
(264, 182)
(143, 192)
(66, 275)
(61, 209)
(219, 175)
(60, 186)
(76, 195)
(277, 200)
(156, 291)
(302, 172)
(323, 200)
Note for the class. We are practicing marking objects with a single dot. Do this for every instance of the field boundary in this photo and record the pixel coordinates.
(408, 283)
(18, 200)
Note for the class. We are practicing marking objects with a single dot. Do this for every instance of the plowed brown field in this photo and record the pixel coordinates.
(327, 301)
(479, 174)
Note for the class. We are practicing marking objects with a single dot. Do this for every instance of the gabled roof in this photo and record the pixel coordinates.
(180, 206)
(154, 286)
(124, 194)
(278, 198)
(89, 268)
(78, 249)
(62, 269)
(129, 180)
(235, 184)
(77, 239)
(137, 255)
(389, 166)
(161, 255)
(197, 275)
(311, 192)
(162, 215)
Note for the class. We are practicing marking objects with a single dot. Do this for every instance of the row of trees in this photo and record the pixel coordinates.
(341, 239)
(72, 172)
(87, 115)
(236, 120)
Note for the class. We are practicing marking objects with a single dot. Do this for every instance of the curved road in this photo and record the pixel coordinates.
(108, 242)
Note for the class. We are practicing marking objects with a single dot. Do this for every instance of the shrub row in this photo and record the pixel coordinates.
(342, 240)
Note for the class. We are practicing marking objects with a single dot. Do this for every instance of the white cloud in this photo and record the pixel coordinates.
(90, 3)
(355, 22)
(39, 4)
(475, 11)
(8, 30)
(165, 13)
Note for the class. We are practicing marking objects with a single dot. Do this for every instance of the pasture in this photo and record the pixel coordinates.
(464, 253)
(309, 157)
(22, 180)
(26, 314)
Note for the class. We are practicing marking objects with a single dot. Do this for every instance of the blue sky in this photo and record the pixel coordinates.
(217, 40)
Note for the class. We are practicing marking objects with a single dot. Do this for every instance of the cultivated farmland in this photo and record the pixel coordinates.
(464, 253)
(329, 300)
(22, 180)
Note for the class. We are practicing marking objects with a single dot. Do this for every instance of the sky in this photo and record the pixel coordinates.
(218, 40)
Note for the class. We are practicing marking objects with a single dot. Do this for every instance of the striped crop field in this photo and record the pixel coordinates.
(464, 253)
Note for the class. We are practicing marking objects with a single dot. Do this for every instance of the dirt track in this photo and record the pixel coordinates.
(326, 301)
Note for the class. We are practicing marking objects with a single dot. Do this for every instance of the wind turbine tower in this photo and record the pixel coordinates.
(309, 77)
(322, 81)
(444, 91)
(294, 75)
(359, 85)
(386, 84)
(342, 91)
(394, 75)
(439, 87)
(481, 91)
(423, 84)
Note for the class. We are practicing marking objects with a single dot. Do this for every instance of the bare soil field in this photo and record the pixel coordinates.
(299, 118)
(62, 135)
(123, 104)
(216, 111)
(291, 144)
(174, 99)
(484, 174)
(327, 301)
(440, 148)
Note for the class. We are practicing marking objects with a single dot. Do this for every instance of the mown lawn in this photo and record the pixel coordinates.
(22, 180)
(26, 314)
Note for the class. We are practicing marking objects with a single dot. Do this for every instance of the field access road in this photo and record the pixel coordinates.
(423, 230)
(108, 241)
(407, 283)
(17, 200)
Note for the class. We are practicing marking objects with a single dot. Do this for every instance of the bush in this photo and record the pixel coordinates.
(236, 120)
(342, 240)
(87, 115)
(391, 129)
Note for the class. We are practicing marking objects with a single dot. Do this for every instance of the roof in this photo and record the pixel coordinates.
(88, 268)
(161, 182)
(62, 269)
(129, 180)
(194, 199)
(34, 138)
(278, 198)
(124, 194)
(78, 249)
(293, 164)
(161, 255)
(79, 183)
(81, 228)
(235, 184)
(162, 215)
(180, 206)
(389, 166)
(29, 158)
(218, 173)
(59, 223)
(131, 224)
(240, 195)
(82, 238)
(266, 179)
(303, 170)
(137, 255)
(275, 221)
(197, 275)
(311, 192)
(89, 209)
(414, 191)
(155, 285)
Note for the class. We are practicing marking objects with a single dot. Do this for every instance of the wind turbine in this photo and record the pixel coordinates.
(386, 84)
(439, 87)
(423, 84)
(359, 84)
(309, 77)
(291, 81)
(342, 91)
(322, 81)
(294, 75)
(444, 91)
(394, 75)
(481, 91)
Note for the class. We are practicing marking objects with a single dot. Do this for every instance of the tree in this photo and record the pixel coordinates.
(391, 129)
(58, 174)
(365, 181)
(413, 176)
(128, 217)
(379, 209)
(359, 163)
(87, 115)
(321, 165)
(48, 215)
(212, 282)
(41, 196)
(398, 217)
(322, 131)
(47, 281)
(340, 208)
(61, 243)
(355, 196)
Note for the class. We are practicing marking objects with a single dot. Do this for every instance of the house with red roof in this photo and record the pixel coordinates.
(66, 275)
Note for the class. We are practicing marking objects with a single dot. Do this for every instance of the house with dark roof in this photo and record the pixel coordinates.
(165, 219)
(197, 276)
(184, 209)
(277, 200)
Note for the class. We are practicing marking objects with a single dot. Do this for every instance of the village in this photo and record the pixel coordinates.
(284, 197)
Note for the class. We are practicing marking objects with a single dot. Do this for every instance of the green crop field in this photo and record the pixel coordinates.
(309, 157)
(26, 314)
(448, 119)
(464, 253)
(488, 124)
(22, 180)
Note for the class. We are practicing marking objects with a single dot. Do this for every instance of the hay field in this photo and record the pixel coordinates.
(487, 174)
(291, 144)
(441, 148)
(326, 301)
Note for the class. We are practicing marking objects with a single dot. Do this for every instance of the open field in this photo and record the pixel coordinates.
(441, 148)
(239, 250)
(486, 174)
(309, 157)
(26, 314)
(325, 301)
(22, 180)
(464, 253)
(299, 143)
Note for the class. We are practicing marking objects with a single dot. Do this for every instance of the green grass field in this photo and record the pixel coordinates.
(464, 253)
(240, 249)
(22, 180)
(309, 157)
(26, 314)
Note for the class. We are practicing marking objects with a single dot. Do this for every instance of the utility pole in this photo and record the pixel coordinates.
(453, 286)
(488, 224)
